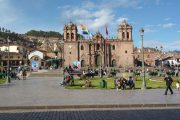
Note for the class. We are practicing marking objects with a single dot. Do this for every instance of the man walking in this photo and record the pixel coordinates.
(169, 81)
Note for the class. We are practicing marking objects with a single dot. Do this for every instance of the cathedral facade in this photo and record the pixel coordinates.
(97, 52)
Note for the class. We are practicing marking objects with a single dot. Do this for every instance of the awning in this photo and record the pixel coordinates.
(54, 60)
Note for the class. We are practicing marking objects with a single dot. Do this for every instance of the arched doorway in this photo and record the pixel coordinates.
(113, 63)
(98, 60)
(82, 63)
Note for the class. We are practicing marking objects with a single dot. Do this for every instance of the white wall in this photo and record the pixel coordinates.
(12, 48)
(36, 53)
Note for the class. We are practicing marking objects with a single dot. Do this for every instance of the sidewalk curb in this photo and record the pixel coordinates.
(90, 106)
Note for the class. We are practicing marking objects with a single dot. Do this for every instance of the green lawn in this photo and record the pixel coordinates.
(152, 83)
(2, 81)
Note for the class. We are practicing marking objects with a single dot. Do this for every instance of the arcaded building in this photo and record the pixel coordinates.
(97, 52)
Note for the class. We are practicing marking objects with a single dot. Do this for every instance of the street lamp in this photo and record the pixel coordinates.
(70, 54)
(62, 54)
(143, 87)
(161, 49)
(8, 78)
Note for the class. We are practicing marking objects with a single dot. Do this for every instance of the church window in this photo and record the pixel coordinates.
(127, 34)
(67, 35)
(82, 47)
(123, 35)
(98, 46)
(113, 47)
(72, 35)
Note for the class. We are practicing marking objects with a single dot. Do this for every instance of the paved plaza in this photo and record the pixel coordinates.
(42, 98)
(44, 92)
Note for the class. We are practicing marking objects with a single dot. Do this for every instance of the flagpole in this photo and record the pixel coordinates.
(106, 47)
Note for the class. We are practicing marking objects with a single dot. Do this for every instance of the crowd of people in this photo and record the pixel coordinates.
(15, 74)
(121, 83)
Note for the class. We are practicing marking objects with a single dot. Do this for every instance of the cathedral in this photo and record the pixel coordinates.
(97, 51)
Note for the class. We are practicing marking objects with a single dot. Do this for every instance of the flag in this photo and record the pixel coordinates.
(106, 31)
(84, 29)
(106, 34)
(85, 32)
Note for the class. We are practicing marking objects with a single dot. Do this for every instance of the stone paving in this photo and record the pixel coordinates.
(137, 114)
(37, 97)
(46, 91)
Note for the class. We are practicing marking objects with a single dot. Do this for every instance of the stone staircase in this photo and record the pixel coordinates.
(46, 73)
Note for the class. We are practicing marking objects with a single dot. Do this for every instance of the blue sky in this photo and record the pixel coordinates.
(159, 18)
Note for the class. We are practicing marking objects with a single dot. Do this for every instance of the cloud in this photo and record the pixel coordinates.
(152, 43)
(158, 2)
(8, 13)
(174, 45)
(120, 19)
(121, 3)
(88, 13)
(156, 28)
(168, 25)
(167, 19)
(151, 28)
(178, 31)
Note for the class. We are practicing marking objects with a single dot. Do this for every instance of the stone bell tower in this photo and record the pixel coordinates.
(70, 32)
(125, 31)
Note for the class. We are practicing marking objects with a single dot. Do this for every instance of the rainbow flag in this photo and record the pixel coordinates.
(85, 32)
(84, 29)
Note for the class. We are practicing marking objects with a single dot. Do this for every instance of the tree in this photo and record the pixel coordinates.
(43, 33)
(3, 29)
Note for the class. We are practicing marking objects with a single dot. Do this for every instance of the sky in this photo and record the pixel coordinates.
(159, 18)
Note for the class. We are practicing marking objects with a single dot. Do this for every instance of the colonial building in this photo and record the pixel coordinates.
(151, 57)
(96, 52)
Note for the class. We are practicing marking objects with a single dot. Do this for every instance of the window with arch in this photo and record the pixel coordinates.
(67, 35)
(82, 63)
(128, 35)
(82, 47)
(126, 51)
(123, 35)
(72, 35)
(98, 46)
(113, 47)
(113, 63)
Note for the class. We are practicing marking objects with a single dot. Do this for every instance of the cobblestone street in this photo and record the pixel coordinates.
(137, 114)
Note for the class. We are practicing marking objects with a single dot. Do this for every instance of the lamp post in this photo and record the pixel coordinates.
(143, 87)
(69, 53)
(62, 53)
(161, 49)
(8, 78)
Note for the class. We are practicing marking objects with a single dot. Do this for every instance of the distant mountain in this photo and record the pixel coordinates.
(43, 33)
(177, 51)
